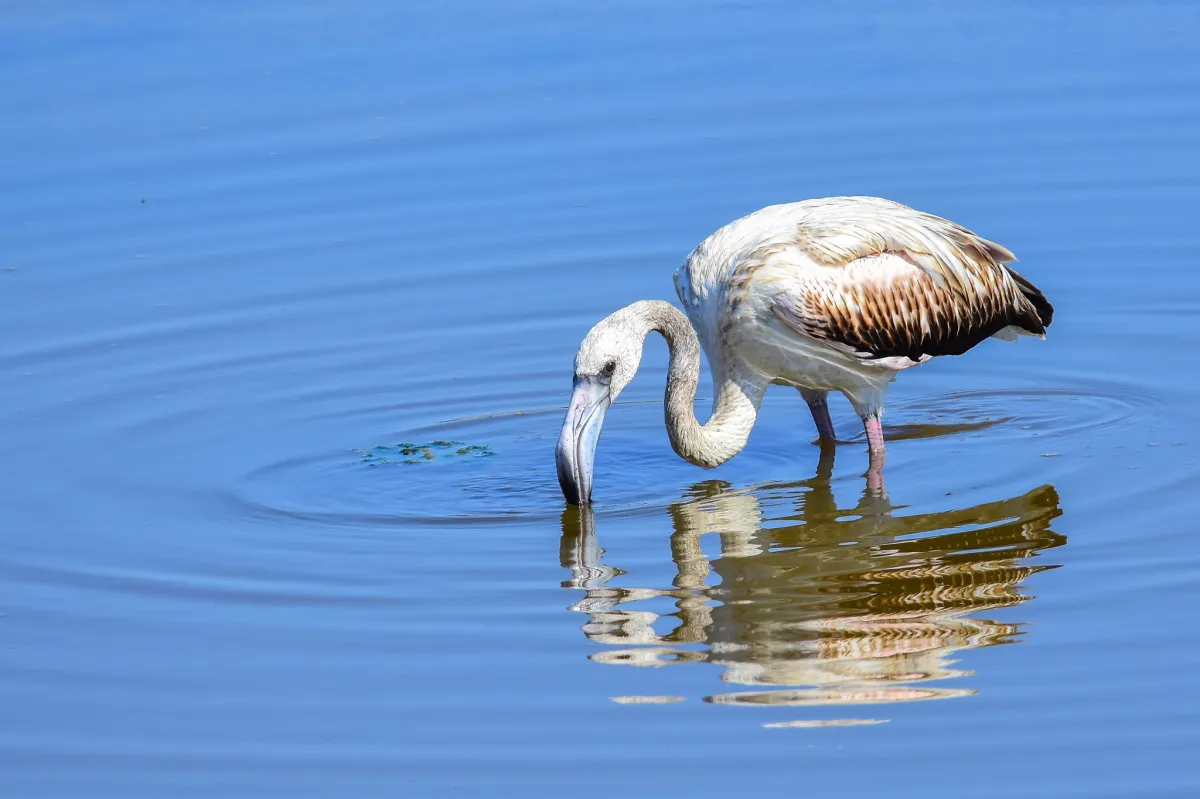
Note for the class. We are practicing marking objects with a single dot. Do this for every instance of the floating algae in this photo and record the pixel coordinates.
(409, 453)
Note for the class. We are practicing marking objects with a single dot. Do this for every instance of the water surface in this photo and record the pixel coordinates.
(288, 304)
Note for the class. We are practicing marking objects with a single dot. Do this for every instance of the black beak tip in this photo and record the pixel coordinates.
(570, 494)
(568, 485)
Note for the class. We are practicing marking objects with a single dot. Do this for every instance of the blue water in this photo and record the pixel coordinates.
(244, 247)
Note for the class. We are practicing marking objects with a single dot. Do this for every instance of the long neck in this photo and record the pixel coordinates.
(735, 403)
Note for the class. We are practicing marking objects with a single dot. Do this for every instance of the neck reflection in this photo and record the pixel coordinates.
(814, 604)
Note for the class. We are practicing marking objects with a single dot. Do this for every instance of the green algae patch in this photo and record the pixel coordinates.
(415, 454)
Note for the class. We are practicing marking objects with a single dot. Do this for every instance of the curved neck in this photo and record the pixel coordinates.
(735, 402)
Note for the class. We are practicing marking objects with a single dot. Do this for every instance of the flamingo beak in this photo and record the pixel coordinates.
(576, 450)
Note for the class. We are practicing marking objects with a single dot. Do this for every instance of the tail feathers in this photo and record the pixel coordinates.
(1041, 305)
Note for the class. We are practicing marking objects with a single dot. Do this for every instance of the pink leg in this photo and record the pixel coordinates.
(819, 406)
(874, 426)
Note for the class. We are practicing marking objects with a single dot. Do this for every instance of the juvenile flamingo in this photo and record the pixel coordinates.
(834, 294)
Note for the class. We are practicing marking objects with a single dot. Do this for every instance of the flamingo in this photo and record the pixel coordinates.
(832, 294)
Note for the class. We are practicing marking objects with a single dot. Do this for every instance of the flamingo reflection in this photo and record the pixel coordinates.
(812, 603)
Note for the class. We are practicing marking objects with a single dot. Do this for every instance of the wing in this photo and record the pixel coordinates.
(879, 280)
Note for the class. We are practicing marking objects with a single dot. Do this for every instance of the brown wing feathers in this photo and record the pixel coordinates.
(914, 317)
(958, 292)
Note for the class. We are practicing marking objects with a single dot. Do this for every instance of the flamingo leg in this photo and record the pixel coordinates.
(874, 426)
(819, 405)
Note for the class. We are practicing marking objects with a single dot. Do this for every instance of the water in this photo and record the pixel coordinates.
(242, 249)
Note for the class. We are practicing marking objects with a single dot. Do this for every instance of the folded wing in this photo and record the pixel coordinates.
(882, 280)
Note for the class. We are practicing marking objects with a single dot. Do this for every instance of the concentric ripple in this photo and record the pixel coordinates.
(1067, 412)
(636, 470)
